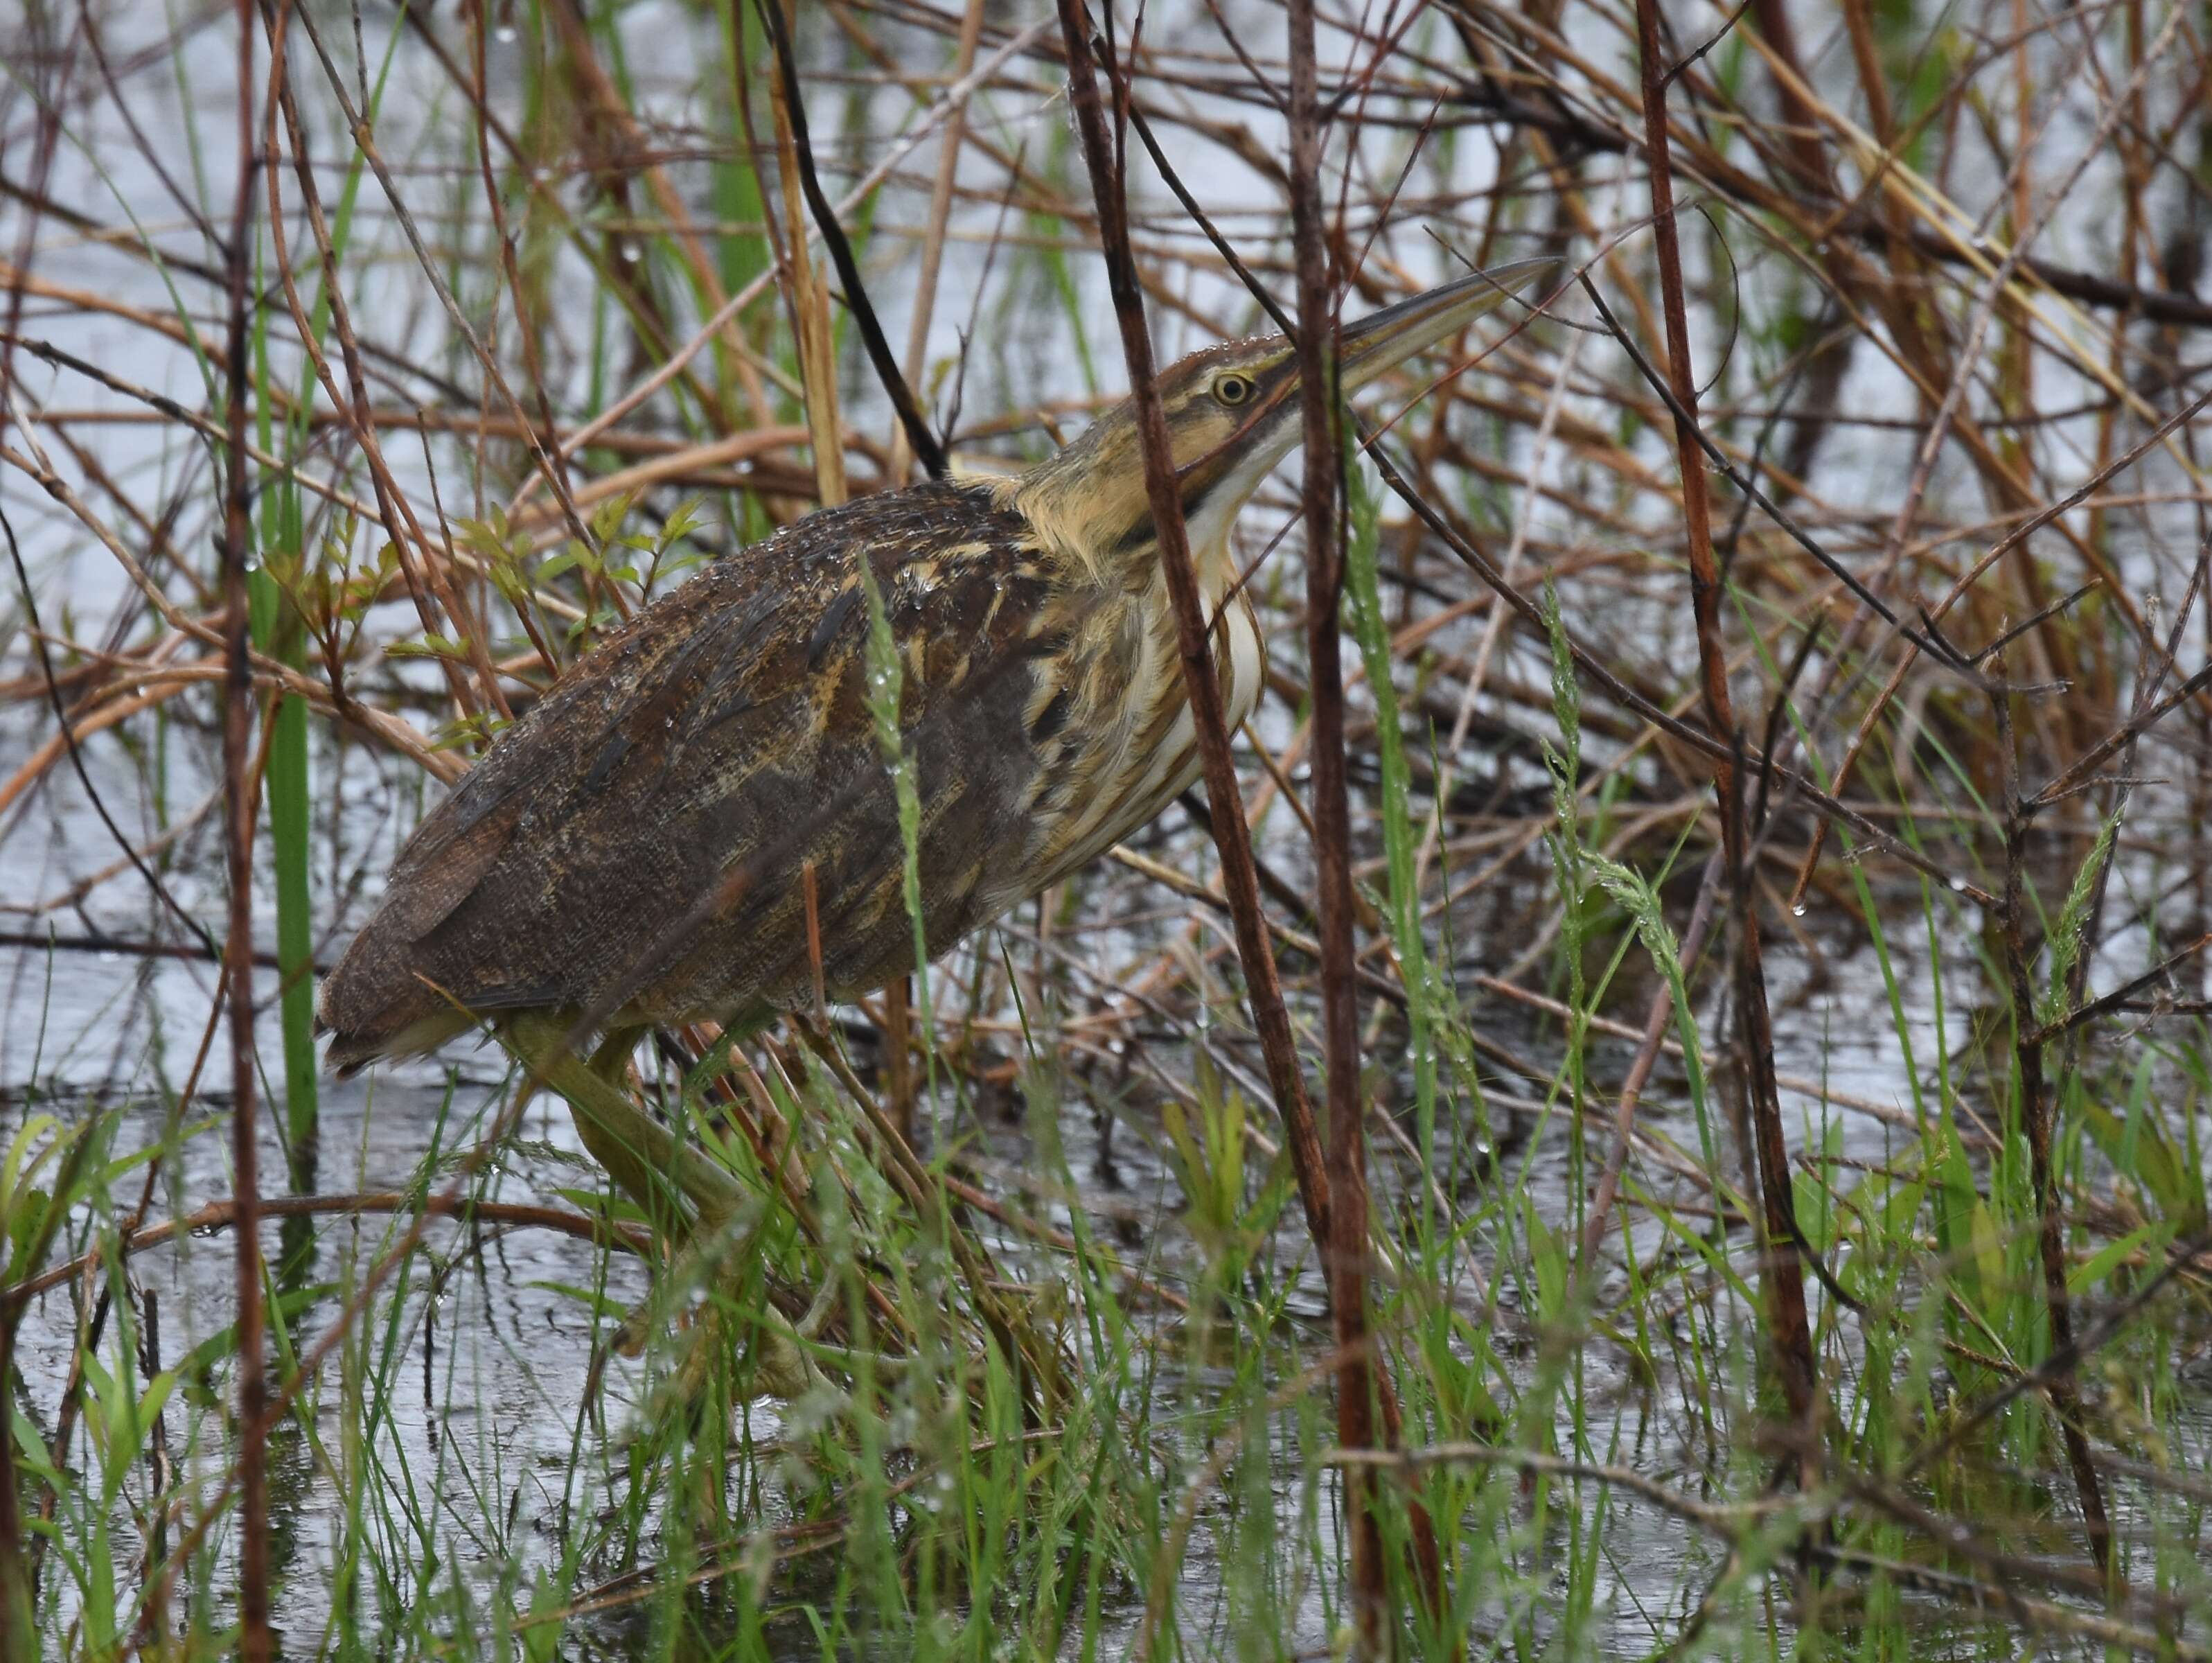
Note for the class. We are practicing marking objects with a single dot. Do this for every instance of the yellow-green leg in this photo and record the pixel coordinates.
(647, 1162)
(692, 1201)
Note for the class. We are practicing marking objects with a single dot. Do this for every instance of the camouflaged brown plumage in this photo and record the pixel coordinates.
(635, 849)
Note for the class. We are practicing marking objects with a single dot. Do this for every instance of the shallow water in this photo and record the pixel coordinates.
(490, 1352)
(490, 1367)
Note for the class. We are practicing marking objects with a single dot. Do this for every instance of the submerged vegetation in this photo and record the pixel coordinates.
(1753, 829)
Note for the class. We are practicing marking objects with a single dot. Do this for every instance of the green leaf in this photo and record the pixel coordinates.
(201, 1359)
(597, 1303)
(429, 645)
(1547, 1256)
(611, 513)
(2066, 934)
(2109, 1257)
(569, 559)
(2140, 1150)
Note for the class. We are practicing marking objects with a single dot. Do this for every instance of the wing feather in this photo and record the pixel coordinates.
(640, 835)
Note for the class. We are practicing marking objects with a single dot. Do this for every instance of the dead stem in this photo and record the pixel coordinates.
(256, 1643)
(2036, 1112)
(1944, 295)
(1791, 1334)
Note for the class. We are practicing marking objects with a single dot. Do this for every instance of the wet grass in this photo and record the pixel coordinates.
(1050, 1370)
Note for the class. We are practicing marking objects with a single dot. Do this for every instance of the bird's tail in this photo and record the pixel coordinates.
(373, 1008)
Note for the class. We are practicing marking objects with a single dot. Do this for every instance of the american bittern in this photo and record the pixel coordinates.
(645, 846)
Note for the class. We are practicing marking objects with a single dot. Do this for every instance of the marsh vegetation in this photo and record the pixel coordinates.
(1774, 724)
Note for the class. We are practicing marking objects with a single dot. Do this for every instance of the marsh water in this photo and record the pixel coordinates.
(492, 1395)
(104, 1003)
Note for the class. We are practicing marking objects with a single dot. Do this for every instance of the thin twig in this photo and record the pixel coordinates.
(1791, 1334)
(912, 422)
(256, 1643)
(1346, 1262)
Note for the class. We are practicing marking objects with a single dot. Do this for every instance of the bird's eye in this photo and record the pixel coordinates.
(1233, 389)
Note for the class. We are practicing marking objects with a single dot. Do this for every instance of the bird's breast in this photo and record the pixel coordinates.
(1132, 743)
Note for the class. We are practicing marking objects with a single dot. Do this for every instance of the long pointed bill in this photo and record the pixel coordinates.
(1389, 337)
(1225, 476)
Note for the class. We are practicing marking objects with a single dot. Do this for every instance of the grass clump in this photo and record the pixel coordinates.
(1010, 1341)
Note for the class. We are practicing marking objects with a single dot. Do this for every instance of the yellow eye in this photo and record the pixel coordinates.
(1232, 389)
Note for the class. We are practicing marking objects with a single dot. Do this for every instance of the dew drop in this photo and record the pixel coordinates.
(504, 34)
(1797, 910)
(1957, 885)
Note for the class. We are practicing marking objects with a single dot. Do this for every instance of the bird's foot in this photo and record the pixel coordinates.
(693, 1201)
(698, 1204)
(734, 1327)
(739, 1327)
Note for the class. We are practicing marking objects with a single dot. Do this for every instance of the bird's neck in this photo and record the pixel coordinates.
(1112, 543)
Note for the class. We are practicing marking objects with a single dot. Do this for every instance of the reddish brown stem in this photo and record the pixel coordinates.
(1782, 1279)
(1231, 836)
(239, 797)
(2035, 1113)
(1240, 880)
(1347, 1257)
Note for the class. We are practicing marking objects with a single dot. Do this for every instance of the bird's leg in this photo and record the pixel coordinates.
(647, 1162)
(610, 1062)
(654, 1168)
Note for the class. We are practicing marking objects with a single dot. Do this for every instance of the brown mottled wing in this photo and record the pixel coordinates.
(638, 841)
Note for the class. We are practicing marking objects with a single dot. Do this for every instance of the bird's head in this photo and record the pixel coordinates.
(1233, 412)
